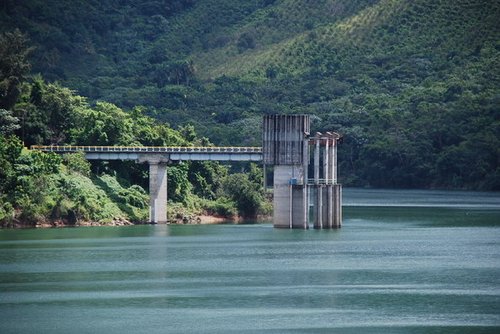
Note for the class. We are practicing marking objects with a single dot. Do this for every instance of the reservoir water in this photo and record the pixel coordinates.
(404, 262)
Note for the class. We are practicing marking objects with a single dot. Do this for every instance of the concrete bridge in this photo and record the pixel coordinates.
(157, 157)
(163, 153)
(298, 199)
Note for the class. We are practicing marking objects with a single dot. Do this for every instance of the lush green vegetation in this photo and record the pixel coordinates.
(40, 187)
(412, 85)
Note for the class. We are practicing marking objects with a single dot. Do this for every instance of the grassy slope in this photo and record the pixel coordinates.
(107, 44)
(273, 28)
(399, 28)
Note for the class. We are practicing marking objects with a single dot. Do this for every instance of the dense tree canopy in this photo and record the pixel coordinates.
(41, 187)
(413, 86)
(14, 66)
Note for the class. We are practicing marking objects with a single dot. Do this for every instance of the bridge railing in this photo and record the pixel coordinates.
(138, 149)
(320, 181)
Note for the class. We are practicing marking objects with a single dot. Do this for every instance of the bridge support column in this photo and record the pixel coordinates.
(157, 192)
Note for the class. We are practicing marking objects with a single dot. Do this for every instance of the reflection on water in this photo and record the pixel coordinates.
(398, 267)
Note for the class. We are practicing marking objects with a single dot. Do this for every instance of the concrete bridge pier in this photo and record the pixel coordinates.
(157, 192)
(157, 186)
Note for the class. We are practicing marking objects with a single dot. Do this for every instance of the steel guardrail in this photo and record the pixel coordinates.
(147, 149)
(320, 181)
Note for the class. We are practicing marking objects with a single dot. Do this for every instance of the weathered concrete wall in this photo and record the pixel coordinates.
(283, 194)
(283, 137)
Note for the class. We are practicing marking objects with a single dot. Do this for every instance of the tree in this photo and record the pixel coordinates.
(14, 66)
(206, 177)
(245, 41)
(179, 187)
(10, 150)
(77, 163)
(106, 124)
(56, 107)
(246, 194)
(8, 123)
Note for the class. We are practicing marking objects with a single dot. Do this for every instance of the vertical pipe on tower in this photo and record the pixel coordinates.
(331, 161)
(326, 166)
(316, 161)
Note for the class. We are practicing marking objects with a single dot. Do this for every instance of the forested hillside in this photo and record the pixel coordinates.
(412, 85)
(46, 189)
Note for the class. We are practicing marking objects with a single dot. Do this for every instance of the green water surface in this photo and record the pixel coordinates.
(417, 262)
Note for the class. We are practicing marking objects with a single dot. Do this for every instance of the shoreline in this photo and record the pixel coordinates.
(186, 220)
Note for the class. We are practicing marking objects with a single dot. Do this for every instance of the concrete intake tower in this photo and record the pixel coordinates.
(300, 199)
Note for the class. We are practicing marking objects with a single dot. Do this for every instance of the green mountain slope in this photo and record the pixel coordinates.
(405, 30)
(413, 85)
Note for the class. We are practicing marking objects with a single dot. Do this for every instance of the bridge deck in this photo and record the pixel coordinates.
(174, 153)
